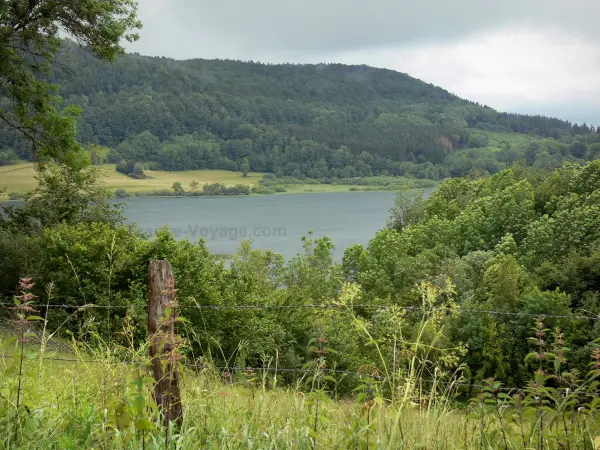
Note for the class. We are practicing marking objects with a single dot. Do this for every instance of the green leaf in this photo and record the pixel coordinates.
(308, 365)
(139, 402)
(182, 320)
(34, 318)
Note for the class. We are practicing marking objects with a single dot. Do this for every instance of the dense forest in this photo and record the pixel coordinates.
(316, 121)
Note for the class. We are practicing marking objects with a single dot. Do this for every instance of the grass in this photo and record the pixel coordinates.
(315, 188)
(20, 178)
(72, 405)
(77, 404)
(378, 183)
(86, 396)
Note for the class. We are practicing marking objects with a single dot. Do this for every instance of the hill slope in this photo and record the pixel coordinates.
(302, 120)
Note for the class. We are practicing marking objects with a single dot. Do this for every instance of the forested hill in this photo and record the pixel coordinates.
(327, 120)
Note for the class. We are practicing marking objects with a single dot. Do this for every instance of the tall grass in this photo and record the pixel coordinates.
(99, 395)
(73, 405)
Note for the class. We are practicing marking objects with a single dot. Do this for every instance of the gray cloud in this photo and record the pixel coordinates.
(249, 29)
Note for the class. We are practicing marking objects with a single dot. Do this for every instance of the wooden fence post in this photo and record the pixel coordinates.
(163, 344)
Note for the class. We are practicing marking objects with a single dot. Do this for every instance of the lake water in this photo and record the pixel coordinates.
(275, 222)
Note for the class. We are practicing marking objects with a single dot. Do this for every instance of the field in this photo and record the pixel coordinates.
(20, 178)
(100, 403)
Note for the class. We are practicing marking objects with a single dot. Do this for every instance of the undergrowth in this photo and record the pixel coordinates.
(99, 395)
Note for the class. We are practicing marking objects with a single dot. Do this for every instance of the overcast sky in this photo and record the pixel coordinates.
(529, 56)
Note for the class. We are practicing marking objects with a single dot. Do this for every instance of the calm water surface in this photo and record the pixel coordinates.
(271, 222)
(275, 222)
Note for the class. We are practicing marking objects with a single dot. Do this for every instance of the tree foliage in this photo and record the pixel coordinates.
(29, 41)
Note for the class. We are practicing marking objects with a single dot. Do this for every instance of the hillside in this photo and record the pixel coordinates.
(327, 120)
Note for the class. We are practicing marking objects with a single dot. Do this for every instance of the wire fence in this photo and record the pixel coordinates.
(358, 374)
(325, 307)
(456, 383)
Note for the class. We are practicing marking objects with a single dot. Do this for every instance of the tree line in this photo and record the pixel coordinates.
(315, 121)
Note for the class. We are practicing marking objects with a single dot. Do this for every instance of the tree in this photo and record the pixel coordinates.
(579, 149)
(97, 154)
(194, 185)
(245, 167)
(531, 151)
(478, 140)
(138, 171)
(408, 209)
(178, 188)
(29, 41)
(64, 194)
(7, 157)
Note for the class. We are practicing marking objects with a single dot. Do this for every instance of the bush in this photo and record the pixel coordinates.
(152, 165)
(125, 167)
(262, 190)
(131, 169)
(7, 158)
(138, 171)
(121, 193)
(279, 189)
(114, 157)
(15, 196)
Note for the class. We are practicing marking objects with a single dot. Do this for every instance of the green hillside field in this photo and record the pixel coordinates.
(20, 178)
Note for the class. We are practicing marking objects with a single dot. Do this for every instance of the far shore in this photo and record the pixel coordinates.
(20, 178)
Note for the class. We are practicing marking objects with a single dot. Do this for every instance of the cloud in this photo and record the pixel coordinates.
(526, 56)
(242, 28)
(515, 69)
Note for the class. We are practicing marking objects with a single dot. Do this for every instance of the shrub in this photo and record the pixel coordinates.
(125, 167)
(262, 190)
(15, 195)
(138, 171)
(121, 193)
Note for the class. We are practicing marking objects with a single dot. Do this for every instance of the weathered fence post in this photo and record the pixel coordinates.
(163, 344)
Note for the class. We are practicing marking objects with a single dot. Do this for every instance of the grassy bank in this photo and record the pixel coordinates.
(20, 178)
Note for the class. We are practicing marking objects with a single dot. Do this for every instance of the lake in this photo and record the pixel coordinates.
(275, 222)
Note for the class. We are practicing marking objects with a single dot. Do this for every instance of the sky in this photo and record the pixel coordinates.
(526, 56)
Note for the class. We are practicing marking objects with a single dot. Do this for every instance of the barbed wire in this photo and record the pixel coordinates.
(328, 306)
(229, 369)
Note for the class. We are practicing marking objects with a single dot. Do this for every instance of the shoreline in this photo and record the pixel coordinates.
(20, 179)
(5, 199)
